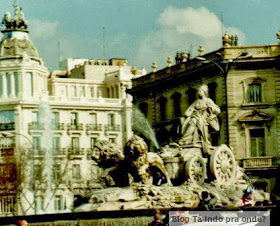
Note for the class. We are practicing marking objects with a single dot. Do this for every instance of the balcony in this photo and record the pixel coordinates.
(7, 126)
(261, 163)
(93, 128)
(76, 153)
(58, 126)
(75, 128)
(112, 128)
(35, 126)
(59, 151)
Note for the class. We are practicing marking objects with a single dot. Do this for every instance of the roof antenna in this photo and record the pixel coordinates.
(104, 42)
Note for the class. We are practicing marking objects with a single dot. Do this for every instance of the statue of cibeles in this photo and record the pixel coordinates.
(201, 114)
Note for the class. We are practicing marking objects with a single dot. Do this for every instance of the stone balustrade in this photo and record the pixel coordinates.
(261, 162)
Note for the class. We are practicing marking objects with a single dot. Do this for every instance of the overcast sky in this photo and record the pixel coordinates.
(143, 31)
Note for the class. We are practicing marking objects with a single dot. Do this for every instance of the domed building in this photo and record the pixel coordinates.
(50, 122)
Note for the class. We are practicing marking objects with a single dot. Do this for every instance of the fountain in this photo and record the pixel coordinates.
(141, 125)
(177, 175)
(45, 122)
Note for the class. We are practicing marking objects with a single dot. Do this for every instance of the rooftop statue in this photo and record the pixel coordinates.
(201, 114)
(18, 22)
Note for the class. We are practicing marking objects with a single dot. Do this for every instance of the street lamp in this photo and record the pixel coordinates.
(224, 67)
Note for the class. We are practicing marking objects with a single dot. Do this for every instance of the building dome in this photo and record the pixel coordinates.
(15, 36)
(10, 47)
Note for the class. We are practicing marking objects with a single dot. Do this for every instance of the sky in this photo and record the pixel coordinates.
(143, 31)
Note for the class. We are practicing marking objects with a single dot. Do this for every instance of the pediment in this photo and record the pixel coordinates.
(255, 117)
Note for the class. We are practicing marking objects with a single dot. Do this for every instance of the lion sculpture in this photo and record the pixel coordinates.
(109, 158)
(145, 167)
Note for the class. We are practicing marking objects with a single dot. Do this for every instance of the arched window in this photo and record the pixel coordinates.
(212, 86)
(162, 106)
(144, 108)
(191, 93)
(177, 104)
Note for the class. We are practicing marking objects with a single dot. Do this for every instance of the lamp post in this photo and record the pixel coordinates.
(224, 67)
(33, 162)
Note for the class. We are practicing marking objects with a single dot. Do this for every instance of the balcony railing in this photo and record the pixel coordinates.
(39, 126)
(77, 127)
(114, 128)
(261, 162)
(59, 151)
(35, 126)
(93, 127)
(58, 126)
(76, 151)
(7, 126)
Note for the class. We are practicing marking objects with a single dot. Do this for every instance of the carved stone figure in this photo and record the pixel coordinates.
(144, 164)
(7, 20)
(18, 22)
(144, 167)
(109, 158)
(201, 114)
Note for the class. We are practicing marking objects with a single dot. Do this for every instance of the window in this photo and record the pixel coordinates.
(56, 172)
(55, 118)
(191, 95)
(144, 108)
(34, 116)
(39, 202)
(37, 172)
(74, 118)
(112, 140)
(176, 104)
(162, 106)
(212, 90)
(56, 144)
(36, 144)
(92, 141)
(9, 83)
(58, 202)
(257, 142)
(255, 92)
(76, 170)
(93, 118)
(16, 83)
(28, 84)
(1, 85)
(111, 120)
(75, 143)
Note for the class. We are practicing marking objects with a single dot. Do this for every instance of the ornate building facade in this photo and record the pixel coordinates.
(50, 122)
(243, 81)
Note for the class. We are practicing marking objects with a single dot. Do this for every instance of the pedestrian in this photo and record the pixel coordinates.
(157, 220)
(22, 223)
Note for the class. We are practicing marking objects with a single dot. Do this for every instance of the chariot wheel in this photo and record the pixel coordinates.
(195, 169)
(222, 164)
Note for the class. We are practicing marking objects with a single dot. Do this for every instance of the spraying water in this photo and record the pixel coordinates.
(140, 124)
(45, 122)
